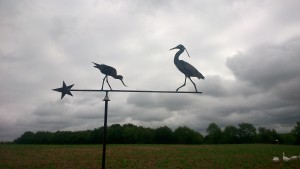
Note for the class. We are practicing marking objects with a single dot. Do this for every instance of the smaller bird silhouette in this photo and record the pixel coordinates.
(187, 69)
(108, 71)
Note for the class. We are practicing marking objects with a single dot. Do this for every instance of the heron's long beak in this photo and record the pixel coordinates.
(187, 52)
(123, 82)
(173, 48)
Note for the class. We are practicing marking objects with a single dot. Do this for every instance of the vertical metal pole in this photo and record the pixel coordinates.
(106, 99)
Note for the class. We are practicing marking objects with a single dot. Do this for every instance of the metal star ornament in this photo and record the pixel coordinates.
(64, 90)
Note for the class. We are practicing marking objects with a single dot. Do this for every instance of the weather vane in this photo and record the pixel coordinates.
(187, 69)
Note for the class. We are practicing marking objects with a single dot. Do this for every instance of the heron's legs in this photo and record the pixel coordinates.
(193, 84)
(103, 82)
(108, 83)
(182, 85)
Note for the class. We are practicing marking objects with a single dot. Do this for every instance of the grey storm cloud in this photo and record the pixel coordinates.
(268, 66)
(274, 71)
(247, 50)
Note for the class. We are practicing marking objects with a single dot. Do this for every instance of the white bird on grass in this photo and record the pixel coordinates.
(293, 158)
(284, 158)
(275, 159)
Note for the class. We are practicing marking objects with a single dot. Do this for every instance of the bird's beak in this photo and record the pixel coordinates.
(173, 48)
(123, 82)
(187, 52)
(95, 64)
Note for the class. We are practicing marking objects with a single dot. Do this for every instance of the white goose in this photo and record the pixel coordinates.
(284, 158)
(275, 159)
(293, 158)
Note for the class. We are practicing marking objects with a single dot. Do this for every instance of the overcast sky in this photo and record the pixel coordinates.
(249, 52)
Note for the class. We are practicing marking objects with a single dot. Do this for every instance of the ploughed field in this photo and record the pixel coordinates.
(147, 156)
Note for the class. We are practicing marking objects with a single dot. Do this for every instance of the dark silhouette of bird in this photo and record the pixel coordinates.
(108, 71)
(187, 69)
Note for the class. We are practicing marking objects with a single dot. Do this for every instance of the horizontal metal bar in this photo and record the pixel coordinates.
(131, 91)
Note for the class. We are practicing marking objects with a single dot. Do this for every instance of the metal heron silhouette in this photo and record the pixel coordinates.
(187, 69)
(108, 71)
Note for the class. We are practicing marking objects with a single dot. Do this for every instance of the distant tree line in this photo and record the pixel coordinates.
(116, 134)
(247, 133)
(131, 134)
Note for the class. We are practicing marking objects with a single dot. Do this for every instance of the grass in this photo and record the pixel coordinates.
(147, 156)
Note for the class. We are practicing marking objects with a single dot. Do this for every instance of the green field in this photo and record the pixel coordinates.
(147, 156)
